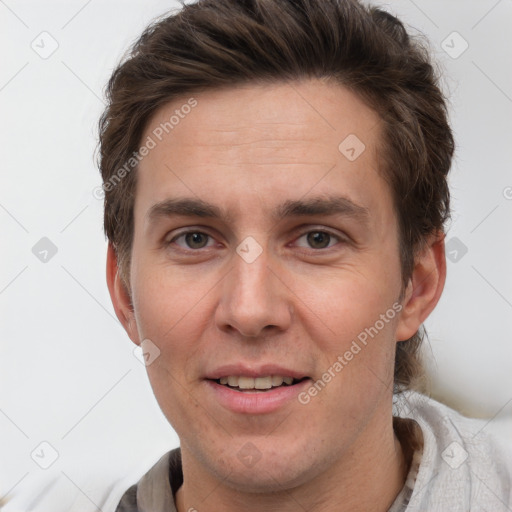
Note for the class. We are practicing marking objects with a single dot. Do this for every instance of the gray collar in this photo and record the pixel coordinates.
(154, 492)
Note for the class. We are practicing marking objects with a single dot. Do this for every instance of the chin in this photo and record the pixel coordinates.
(261, 479)
(272, 470)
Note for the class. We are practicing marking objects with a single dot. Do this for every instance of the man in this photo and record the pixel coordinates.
(275, 179)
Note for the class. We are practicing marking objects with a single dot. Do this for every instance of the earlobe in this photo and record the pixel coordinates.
(424, 288)
(120, 297)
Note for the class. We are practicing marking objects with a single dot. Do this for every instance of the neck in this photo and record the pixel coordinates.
(367, 478)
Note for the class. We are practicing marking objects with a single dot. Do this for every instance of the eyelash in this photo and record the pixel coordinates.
(337, 237)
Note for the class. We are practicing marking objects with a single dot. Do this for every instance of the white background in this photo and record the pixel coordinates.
(68, 375)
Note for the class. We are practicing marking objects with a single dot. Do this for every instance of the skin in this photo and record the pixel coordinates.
(300, 304)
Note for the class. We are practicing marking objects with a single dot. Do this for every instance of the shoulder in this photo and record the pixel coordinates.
(56, 490)
(155, 490)
(128, 502)
(462, 465)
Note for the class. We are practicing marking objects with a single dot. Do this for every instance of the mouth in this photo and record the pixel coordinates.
(244, 389)
(245, 384)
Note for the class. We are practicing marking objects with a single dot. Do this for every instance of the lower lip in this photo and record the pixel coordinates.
(255, 402)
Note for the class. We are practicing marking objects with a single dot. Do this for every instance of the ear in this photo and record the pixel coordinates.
(424, 288)
(120, 297)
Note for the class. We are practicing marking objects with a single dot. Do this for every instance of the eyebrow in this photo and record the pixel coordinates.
(330, 205)
(324, 205)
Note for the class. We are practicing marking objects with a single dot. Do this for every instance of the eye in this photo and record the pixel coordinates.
(192, 240)
(318, 239)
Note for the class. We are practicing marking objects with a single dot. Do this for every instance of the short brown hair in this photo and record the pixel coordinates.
(222, 43)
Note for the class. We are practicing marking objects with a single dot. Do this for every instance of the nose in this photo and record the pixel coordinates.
(254, 300)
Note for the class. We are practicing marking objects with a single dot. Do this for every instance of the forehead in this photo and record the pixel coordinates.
(273, 140)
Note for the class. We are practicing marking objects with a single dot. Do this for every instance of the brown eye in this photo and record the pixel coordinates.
(196, 240)
(192, 240)
(318, 239)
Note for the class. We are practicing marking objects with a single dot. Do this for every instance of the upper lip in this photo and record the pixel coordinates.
(245, 370)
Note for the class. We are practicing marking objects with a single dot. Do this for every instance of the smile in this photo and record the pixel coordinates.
(254, 395)
(242, 383)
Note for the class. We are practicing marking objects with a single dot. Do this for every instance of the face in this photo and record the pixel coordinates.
(265, 272)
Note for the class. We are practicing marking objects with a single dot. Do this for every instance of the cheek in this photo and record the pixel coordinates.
(347, 301)
(352, 333)
(173, 313)
(164, 300)
(179, 403)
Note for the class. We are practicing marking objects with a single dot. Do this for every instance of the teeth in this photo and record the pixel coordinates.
(263, 382)
(245, 382)
(241, 382)
(277, 380)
